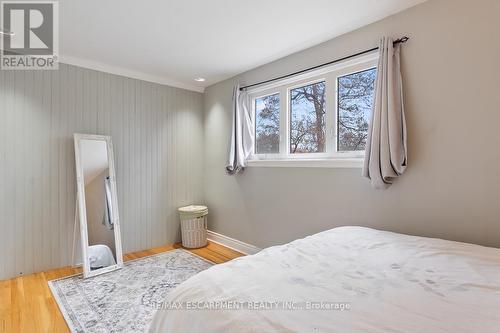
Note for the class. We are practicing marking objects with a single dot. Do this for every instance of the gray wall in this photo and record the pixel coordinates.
(156, 132)
(452, 186)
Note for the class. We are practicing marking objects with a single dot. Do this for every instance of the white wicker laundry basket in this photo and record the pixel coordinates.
(193, 226)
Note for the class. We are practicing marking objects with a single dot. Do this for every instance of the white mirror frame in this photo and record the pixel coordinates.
(82, 210)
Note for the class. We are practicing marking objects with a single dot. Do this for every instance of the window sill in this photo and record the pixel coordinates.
(349, 163)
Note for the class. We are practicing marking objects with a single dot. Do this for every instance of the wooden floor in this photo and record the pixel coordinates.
(27, 305)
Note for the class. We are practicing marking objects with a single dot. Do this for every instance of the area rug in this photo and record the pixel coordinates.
(124, 300)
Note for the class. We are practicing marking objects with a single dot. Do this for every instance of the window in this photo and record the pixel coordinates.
(315, 119)
(354, 104)
(307, 119)
(267, 124)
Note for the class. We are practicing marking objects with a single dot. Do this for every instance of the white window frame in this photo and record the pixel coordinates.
(332, 157)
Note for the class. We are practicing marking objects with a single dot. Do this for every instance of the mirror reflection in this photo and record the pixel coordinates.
(101, 251)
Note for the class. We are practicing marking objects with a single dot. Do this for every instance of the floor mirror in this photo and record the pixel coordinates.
(97, 204)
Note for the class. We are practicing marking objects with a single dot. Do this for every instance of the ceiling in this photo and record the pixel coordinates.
(175, 41)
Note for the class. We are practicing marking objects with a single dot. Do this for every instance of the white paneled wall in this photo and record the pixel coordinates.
(157, 138)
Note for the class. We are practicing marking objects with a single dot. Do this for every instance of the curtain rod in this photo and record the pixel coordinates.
(397, 41)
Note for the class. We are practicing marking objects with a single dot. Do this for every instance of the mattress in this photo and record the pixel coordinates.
(348, 279)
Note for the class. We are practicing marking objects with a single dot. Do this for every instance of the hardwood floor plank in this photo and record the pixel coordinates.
(17, 303)
(5, 306)
(27, 304)
(222, 250)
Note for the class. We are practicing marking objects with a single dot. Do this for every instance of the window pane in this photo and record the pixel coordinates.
(267, 124)
(355, 99)
(307, 119)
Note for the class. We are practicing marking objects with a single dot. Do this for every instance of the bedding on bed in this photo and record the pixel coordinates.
(348, 279)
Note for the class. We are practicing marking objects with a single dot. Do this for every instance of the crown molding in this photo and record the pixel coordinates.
(74, 61)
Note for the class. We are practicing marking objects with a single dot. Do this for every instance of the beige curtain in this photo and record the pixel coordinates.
(386, 151)
(242, 137)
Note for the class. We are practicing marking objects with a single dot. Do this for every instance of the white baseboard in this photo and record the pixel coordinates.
(232, 243)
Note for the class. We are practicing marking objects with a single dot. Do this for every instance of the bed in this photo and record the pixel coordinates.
(347, 279)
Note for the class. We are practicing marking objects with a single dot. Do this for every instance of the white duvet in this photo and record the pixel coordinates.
(384, 282)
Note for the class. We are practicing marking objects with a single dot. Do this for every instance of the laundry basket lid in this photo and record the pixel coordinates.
(193, 211)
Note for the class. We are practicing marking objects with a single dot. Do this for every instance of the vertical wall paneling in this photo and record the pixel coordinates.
(157, 138)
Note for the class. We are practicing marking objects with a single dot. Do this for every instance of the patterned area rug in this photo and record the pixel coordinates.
(124, 300)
